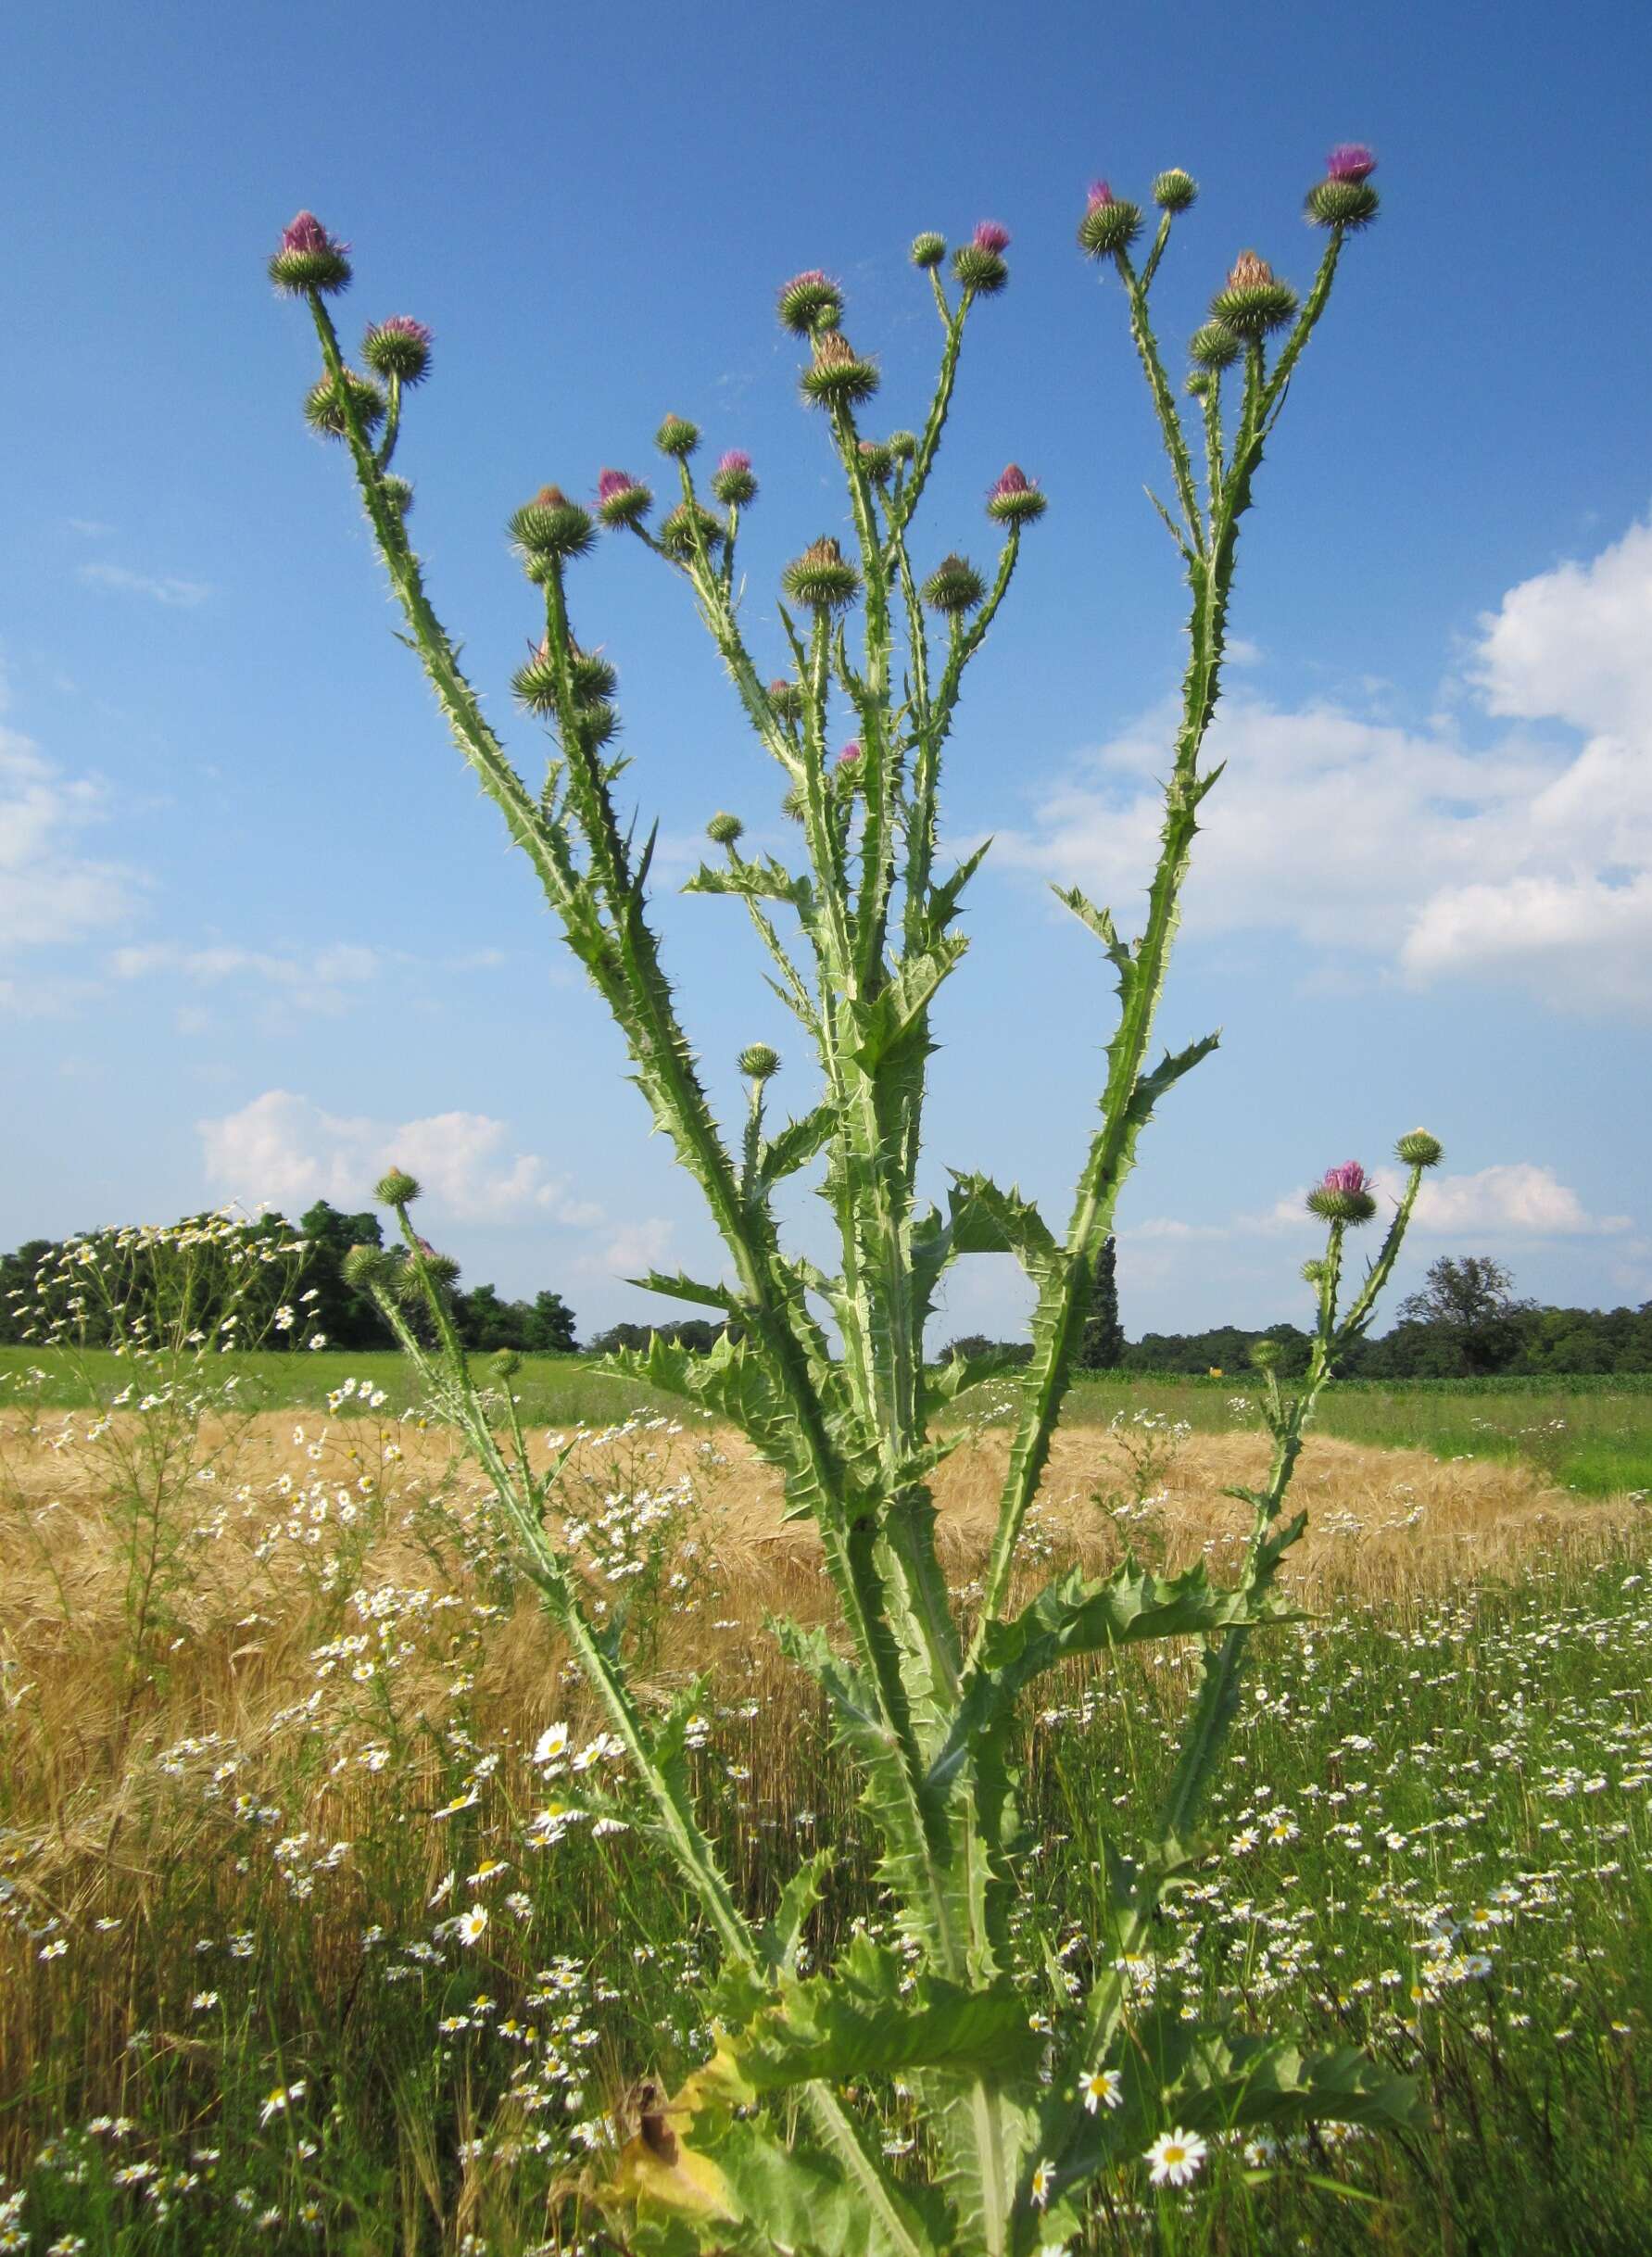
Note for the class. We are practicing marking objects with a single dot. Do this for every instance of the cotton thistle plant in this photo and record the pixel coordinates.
(1023, 2110)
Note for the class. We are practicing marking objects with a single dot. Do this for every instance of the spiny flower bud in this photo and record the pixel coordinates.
(837, 371)
(1313, 1271)
(758, 1060)
(1419, 1149)
(724, 830)
(1199, 383)
(1334, 203)
(323, 406)
(809, 301)
(1175, 190)
(1013, 498)
(395, 1189)
(622, 500)
(903, 445)
(877, 460)
(793, 805)
(505, 1365)
(365, 1266)
(786, 698)
(1214, 345)
(677, 437)
(1266, 1354)
(1350, 160)
(954, 587)
(308, 258)
(732, 480)
(399, 346)
(928, 249)
(1254, 300)
(677, 533)
(440, 1268)
(397, 494)
(552, 526)
(823, 578)
(979, 264)
(1111, 224)
(1341, 1196)
(593, 676)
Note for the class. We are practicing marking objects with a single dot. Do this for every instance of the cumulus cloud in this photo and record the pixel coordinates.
(50, 890)
(1523, 859)
(1510, 1199)
(288, 1151)
(310, 979)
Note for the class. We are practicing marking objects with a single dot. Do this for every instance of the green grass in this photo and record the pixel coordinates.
(1433, 1841)
(1598, 1439)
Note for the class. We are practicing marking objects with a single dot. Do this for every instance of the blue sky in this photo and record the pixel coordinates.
(256, 931)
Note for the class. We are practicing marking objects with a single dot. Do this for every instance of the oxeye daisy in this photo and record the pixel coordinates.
(1103, 2088)
(1043, 2179)
(471, 1926)
(1175, 2158)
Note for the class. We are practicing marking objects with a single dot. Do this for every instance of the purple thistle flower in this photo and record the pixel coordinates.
(851, 753)
(1350, 160)
(613, 483)
(1101, 195)
(403, 325)
(991, 236)
(1012, 479)
(735, 459)
(304, 233)
(1350, 1177)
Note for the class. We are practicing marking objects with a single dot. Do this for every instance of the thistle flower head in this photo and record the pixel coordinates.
(732, 480)
(1345, 198)
(622, 500)
(676, 435)
(1111, 224)
(724, 830)
(822, 578)
(1342, 1195)
(1175, 190)
(992, 235)
(877, 460)
(1252, 300)
(398, 347)
(677, 532)
(308, 258)
(1350, 160)
(851, 754)
(397, 494)
(368, 1265)
(758, 1061)
(954, 587)
(324, 404)
(550, 528)
(786, 699)
(1014, 498)
(1213, 345)
(903, 445)
(1419, 1149)
(980, 263)
(837, 372)
(928, 249)
(395, 1189)
(809, 301)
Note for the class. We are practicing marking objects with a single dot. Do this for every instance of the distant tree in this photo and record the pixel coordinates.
(550, 1326)
(348, 1319)
(18, 1286)
(981, 1343)
(1102, 1348)
(698, 1334)
(1470, 1304)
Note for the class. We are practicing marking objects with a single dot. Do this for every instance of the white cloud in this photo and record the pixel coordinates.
(634, 1248)
(49, 891)
(314, 979)
(1510, 1199)
(283, 1149)
(178, 595)
(1524, 861)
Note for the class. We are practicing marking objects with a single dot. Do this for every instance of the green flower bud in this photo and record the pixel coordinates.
(1351, 204)
(878, 461)
(677, 437)
(903, 445)
(724, 830)
(1111, 224)
(365, 1266)
(1253, 301)
(838, 372)
(1419, 1149)
(397, 494)
(786, 698)
(396, 1189)
(1313, 1272)
(792, 805)
(928, 249)
(1266, 1354)
(1175, 190)
(551, 527)
(822, 578)
(809, 301)
(758, 1061)
(977, 268)
(505, 1365)
(399, 347)
(677, 533)
(1199, 383)
(323, 407)
(1214, 345)
(954, 587)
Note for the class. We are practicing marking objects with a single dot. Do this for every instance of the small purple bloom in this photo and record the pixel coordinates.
(734, 462)
(1101, 195)
(1012, 479)
(1350, 160)
(1350, 1177)
(403, 325)
(615, 481)
(810, 276)
(306, 234)
(850, 754)
(990, 236)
